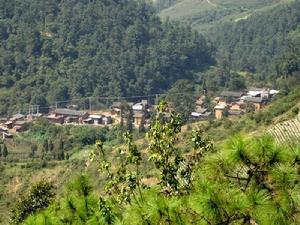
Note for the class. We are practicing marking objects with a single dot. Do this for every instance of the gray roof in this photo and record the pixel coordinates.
(200, 110)
(235, 94)
(257, 89)
(234, 112)
(144, 102)
(206, 114)
(69, 112)
(116, 104)
(253, 99)
(18, 116)
(20, 122)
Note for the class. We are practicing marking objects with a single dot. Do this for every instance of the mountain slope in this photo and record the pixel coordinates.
(203, 14)
(266, 42)
(57, 50)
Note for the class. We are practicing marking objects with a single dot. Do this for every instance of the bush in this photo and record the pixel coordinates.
(39, 197)
(295, 111)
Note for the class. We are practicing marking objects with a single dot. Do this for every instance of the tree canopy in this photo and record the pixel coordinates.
(58, 50)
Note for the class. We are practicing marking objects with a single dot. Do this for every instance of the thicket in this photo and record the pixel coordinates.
(73, 136)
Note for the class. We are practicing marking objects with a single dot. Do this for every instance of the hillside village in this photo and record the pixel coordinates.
(228, 103)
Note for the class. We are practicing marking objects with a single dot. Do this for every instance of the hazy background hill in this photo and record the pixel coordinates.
(257, 39)
(203, 14)
(266, 43)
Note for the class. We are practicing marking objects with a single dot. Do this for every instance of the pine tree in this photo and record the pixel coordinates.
(45, 146)
(4, 151)
(33, 149)
(129, 121)
(50, 145)
(60, 150)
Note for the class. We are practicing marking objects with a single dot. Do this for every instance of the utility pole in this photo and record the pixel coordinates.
(156, 99)
(90, 104)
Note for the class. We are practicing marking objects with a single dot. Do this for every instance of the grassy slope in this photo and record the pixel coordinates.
(203, 14)
(16, 178)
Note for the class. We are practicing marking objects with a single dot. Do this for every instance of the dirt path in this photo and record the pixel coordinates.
(211, 3)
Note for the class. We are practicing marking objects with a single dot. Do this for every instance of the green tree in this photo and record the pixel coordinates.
(39, 197)
(182, 98)
(45, 146)
(239, 186)
(50, 145)
(33, 148)
(60, 150)
(4, 151)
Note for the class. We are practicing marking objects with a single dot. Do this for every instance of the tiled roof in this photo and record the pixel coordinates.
(257, 89)
(253, 99)
(69, 112)
(235, 94)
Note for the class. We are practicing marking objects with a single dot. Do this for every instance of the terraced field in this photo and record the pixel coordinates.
(287, 132)
(204, 14)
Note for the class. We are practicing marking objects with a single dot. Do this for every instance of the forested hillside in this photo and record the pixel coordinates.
(57, 50)
(266, 43)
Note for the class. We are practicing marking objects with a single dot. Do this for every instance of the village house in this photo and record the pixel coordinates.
(116, 108)
(201, 111)
(55, 119)
(93, 119)
(138, 118)
(229, 102)
(273, 93)
(3, 120)
(34, 116)
(67, 116)
(9, 124)
(227, 97)
(140, 106)
(19, 126)
(219, 110)
(235, 108)
(258, 102)
(5, 133)
(259, 92)
(140, 111)
(17, 117)
(106, 120)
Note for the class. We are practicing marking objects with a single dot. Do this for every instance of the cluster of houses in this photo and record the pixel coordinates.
(201, 111)
(72, 116)
(140, 111)
(227, 103)
(236, 103)
(17, 123)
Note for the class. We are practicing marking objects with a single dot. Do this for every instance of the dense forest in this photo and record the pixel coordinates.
(58, 50)
(266, 43)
